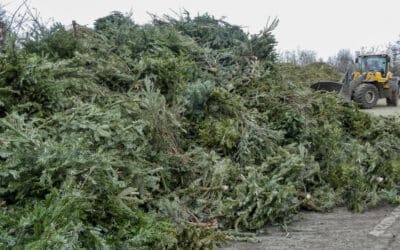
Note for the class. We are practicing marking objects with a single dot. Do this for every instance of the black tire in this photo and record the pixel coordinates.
(366, 95)
(395, 98)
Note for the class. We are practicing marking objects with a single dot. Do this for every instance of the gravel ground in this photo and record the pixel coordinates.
(339, 229)
(383, 110)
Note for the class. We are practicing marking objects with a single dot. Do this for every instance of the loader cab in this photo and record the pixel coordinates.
(374, 63)
(370, 81)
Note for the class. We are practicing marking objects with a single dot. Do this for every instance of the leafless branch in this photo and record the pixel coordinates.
(11, 22)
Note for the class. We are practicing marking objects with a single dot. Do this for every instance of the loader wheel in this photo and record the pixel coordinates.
(366, 95)
(394, 99)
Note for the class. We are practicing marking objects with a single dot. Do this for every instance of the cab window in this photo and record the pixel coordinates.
(373, 63)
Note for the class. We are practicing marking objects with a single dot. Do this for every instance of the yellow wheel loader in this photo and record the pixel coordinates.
(371, 81)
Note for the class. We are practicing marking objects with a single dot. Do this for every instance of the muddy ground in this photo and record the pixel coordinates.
(377, 228)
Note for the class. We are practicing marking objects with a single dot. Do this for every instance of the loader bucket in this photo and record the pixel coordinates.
(327, 86)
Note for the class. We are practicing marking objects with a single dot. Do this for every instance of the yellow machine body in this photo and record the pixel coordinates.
(372, 80)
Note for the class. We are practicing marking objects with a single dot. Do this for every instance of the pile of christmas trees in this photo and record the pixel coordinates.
(174, 134)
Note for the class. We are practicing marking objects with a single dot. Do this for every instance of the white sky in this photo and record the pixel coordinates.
(324, 26)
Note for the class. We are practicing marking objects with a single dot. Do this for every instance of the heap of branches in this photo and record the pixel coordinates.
(174, 134)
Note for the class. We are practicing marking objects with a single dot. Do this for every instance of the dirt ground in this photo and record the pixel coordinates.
(382, 109)
(340, 229)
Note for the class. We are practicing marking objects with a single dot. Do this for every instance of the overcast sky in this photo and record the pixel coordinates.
(321, 25)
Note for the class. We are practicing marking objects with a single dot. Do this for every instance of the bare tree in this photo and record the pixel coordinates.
(22, 20)
(378, 49)
(3, 26)
(299, 56)
(307, 57)
(393, 49)
(342, 61)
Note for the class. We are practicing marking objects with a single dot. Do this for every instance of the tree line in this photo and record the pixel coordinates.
(343, 60)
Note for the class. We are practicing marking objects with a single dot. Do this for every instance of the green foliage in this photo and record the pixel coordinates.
(55, 42)
(263, 44)
(266, 193)
(114, 20)
(170, 134)
(308, 74)
(224, 134)
(207, 30)
(169, 73)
